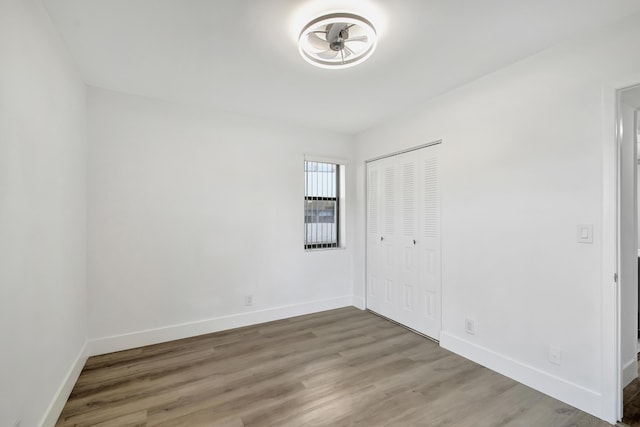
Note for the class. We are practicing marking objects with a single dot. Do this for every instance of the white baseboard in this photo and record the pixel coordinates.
(629, 372)
(110, 344)
(358, 302)
(575, 395)
(62, 394)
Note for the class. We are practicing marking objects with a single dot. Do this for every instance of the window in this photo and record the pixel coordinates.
(321, 205)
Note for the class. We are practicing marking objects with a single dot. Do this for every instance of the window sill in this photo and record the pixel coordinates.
(326, 249)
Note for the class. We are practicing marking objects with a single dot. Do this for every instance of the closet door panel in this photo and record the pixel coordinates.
(430, 254)
(388, 238)
(407, 240)
(373, 247)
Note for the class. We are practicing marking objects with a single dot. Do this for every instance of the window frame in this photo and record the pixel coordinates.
(338, 199)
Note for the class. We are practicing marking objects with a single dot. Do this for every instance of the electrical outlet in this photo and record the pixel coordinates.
(555, 355)
(248, 300)
(469, 326)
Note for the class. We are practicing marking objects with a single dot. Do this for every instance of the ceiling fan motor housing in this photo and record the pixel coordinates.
(337, 43)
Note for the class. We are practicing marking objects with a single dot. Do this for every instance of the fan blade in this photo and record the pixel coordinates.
(333, 30)
(357, 39)
(348, 51)
(317, 42)
(328, 54)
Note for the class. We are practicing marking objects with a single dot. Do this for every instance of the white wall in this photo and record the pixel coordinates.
(42, 214)
(521, 168)
(628, 246)
(190, 210)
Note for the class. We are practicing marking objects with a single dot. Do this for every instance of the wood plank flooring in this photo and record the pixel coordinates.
(342, 367)
(631, 402)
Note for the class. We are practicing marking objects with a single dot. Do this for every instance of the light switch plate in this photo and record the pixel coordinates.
(585, 233)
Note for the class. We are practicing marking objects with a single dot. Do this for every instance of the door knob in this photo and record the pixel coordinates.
(414, 241)
(381, 238)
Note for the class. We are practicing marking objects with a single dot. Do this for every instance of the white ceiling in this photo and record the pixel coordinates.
(241, 55)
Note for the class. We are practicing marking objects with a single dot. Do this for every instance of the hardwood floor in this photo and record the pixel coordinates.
(342, 367)
(631, 403)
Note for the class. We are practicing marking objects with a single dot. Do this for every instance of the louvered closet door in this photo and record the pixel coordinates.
(373, 237)
(403, 239)
(429, 260)
(407, 242)
(388, 238)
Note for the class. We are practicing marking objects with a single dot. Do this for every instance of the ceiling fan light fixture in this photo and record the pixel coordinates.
(337, 40)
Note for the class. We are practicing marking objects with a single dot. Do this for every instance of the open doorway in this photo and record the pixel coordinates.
(629, 251)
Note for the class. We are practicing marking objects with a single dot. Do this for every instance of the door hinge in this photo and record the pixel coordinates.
(615, 277)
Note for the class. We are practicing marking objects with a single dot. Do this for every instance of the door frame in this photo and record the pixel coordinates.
(366, 218)
(611, 238)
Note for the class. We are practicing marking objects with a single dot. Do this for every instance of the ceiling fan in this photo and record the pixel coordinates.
(337, 40)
